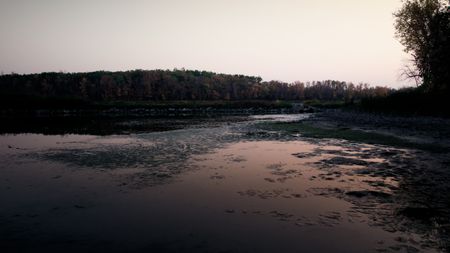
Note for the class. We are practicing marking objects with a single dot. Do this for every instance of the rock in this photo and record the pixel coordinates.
(368, 193)
(345, 161)
(269, 180)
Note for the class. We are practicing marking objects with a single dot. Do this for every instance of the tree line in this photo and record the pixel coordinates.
(177, 84)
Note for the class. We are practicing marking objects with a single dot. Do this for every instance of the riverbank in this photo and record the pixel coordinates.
(115, 109)
(418, 132)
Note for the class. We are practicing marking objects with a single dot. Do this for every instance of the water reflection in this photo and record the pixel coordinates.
(108, 126)
(216, 188)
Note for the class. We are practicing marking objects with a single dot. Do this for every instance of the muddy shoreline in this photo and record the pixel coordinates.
(419, 129)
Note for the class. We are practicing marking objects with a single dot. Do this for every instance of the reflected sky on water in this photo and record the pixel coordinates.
(214, 188)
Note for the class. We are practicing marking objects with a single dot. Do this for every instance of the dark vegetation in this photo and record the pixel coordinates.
(423, 27)
(411, 101)
(166, 88)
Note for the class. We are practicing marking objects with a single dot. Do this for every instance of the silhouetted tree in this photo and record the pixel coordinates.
(423, 27)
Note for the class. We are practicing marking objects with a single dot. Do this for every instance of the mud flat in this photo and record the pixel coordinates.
(418, 131)
(274, 183)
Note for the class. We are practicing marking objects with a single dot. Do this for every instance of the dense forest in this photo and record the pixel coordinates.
(169, 85)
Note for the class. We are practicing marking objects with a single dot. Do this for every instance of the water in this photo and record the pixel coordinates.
(208, 187)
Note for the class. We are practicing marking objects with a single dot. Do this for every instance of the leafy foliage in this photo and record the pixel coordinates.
(423, 27)
(176, 85)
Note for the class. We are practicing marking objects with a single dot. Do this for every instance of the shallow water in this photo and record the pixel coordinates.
(226, 187)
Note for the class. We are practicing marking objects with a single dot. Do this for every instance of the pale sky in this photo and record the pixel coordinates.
(287, 40)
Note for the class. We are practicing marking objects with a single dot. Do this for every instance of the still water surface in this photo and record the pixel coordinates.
(226, 187)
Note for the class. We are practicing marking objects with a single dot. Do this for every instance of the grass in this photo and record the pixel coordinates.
(311, 131)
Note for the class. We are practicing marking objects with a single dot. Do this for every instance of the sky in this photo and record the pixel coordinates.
(286, 40)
